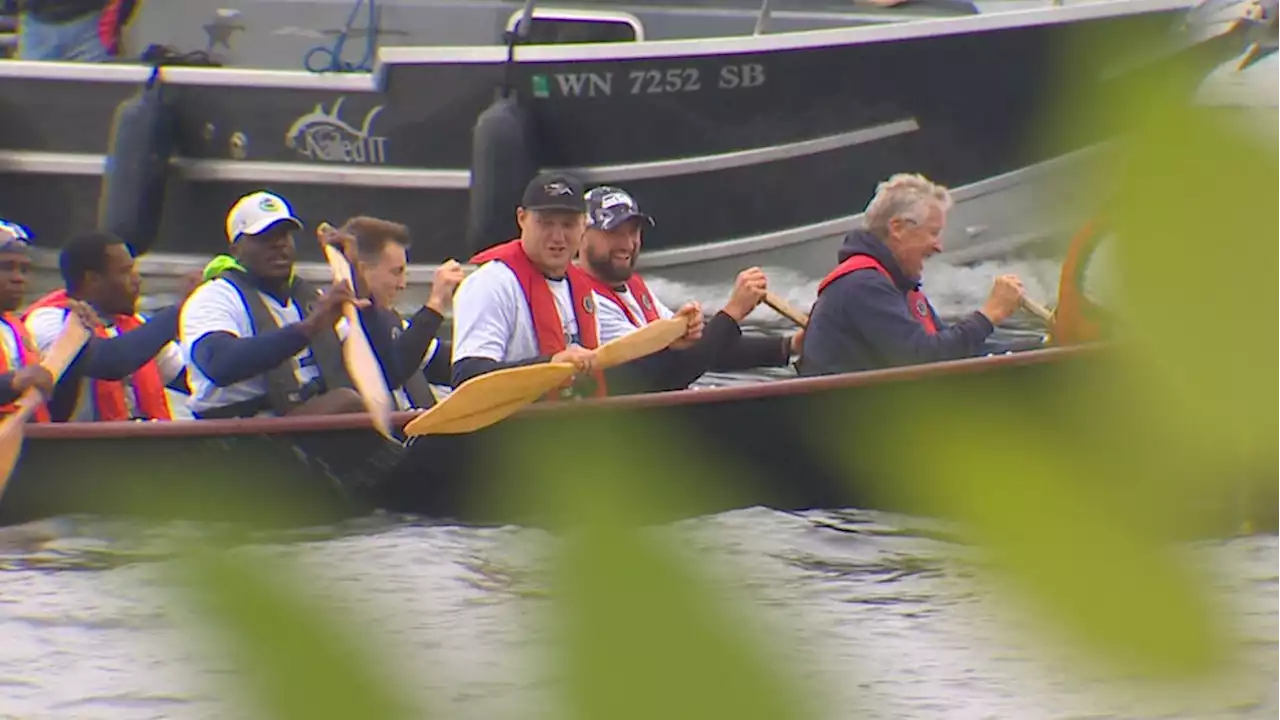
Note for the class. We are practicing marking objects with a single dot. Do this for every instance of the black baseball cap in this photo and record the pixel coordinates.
(554, 191)
(608, 207)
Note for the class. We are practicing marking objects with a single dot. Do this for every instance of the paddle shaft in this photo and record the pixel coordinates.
(357, 352)
(61, 353)
(1037, 309)
(783, 308)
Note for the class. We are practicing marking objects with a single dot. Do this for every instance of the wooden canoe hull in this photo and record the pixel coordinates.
(319, 469)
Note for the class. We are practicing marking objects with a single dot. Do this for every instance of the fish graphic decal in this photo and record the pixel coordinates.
(324, 135)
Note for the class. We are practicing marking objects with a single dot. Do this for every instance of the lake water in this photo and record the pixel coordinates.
(879, 620)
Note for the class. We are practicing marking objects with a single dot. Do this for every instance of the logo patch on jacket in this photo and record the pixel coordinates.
(587, 304)
(922, 308)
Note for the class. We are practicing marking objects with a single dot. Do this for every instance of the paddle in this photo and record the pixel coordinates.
(1038, 310)
(799, 318)
(61, 353)
(783, 308)
(357, 353)
(486, 399)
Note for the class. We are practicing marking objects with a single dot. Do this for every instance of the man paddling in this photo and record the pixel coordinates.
(611, 246)
(380, 261)
(528, 303)
(21, 368)
(122, 373)
(260, 340)
(870, 312)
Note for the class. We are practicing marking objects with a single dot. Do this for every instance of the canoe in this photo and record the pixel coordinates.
(323, 469)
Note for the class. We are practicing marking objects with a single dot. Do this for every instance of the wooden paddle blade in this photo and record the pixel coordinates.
(486, 399)
(489, 398)
(358, 356)
(366, 372)
(654, 337)
(63, 351)
(11, 438)
(783, 308)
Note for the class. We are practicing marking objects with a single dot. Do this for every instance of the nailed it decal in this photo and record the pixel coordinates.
(323, 135)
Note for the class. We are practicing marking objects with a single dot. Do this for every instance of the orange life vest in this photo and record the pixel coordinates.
(28, 354)
(1075, 318)
(637, 288)
(109, 395)
(917, 303)
(542, 304)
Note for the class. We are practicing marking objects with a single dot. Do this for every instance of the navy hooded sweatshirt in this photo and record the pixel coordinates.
(861, 320)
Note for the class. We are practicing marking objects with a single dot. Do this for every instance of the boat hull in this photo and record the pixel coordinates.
(772, 444)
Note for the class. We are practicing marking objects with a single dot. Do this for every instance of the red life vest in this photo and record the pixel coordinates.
(109, 395)
(637, 288)
(547, 324)
(28, 354)
(917, 303)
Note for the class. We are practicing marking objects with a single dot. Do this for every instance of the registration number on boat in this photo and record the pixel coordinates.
(649, 81)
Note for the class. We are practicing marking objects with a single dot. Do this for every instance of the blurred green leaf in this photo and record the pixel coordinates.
(296, 659)
(641, 633)
(1196, 247)
(1073, 491)
(1060, 523)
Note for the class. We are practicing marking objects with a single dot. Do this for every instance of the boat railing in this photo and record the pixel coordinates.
(762, 20)
(8, 34)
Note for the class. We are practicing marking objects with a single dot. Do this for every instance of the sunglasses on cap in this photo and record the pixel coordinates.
(13, 236)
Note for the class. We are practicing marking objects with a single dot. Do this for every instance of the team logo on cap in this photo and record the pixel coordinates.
(615, 199)
(557, 188)
(588, 305)
(269, 204)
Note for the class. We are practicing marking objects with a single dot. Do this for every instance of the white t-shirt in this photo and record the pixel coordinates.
(45, 325)
(614, 323)
(216, 306)
(492, 319)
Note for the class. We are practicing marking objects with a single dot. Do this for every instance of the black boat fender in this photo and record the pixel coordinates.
(143, 135)
(504, 158)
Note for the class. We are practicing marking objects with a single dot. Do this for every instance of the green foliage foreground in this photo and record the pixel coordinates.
(1079, 530)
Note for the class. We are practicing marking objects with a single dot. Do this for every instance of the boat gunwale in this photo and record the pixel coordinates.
(360, 421)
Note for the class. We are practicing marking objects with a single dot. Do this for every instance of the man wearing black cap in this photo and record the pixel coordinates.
(528, 303)
(612, 240)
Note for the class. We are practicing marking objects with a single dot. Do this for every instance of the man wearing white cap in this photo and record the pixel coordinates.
(256, 338)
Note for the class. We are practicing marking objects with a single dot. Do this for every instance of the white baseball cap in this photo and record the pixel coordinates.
(256, 212)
